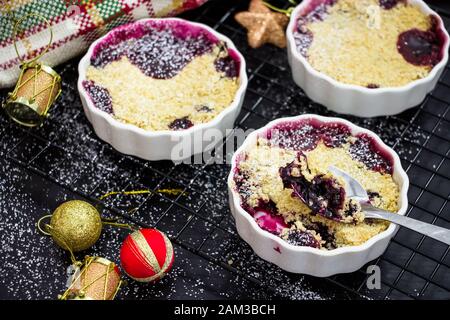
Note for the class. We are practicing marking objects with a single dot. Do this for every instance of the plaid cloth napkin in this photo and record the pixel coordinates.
(75, 24)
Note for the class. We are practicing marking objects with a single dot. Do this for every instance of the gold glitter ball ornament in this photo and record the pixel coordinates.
(75, 225)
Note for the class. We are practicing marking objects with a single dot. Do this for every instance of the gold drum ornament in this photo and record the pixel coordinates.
(37, 88)
(98, 279)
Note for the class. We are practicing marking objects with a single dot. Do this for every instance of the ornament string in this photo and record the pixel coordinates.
(287, 11)
(113, 221)
(173, 192)
(15, 32)
(47, 230)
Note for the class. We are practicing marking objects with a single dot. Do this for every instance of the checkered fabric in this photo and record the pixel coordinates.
(75, 24)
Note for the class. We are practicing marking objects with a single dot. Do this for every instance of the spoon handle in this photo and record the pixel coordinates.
(432, 231)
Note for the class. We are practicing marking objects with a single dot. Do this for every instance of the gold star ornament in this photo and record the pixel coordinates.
(263, 25)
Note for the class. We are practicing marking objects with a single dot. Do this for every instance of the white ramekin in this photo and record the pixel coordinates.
(307, 260)
(158, 145)
(357, 100)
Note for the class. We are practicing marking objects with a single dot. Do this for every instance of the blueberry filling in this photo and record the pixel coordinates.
(302, 238)
(160, 55)
(303, 39)
(422, 48)
(241, 178)
(161, 51)
(181, 124)
(372, 195)
(99, 95)
(317, 10)
(322, 195)
(266, 215)
(203, 108)
(373, 86)
(334, 135)
(305, 135)
(227, 65)
(328, 239)
(352, 209)
(389, 4)
(365, 150)
(299, 137)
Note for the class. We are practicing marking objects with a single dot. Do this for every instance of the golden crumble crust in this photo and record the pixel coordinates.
(356, 43)
(263, 182)
(153, 104)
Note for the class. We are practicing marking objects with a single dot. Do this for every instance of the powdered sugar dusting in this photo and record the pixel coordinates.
(160, 55)
(365, 149)
(161, 49)
(100, 96)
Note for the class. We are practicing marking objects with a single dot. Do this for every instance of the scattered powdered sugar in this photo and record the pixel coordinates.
(32, 268)
(285, 285)
(35, 268)
(297, 291)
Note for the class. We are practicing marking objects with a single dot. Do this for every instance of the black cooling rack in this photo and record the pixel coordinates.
(64, 159)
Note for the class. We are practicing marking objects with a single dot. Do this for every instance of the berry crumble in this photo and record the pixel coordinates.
(369, 43)
(162, 75)
(285, 184)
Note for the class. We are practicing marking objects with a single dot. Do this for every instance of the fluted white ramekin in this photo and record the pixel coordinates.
(159, 145)
(357, 100)
(307, 260)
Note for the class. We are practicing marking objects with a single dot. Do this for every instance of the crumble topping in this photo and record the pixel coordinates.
(198, 93)
(266, 196)
(369, 43)
(162, 75)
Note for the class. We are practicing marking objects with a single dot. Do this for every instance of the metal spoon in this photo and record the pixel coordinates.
(356, 191)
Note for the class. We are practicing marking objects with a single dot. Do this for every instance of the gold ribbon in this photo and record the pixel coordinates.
(144, 253)
(145, 191)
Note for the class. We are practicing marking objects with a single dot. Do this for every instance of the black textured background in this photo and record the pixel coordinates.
(63, 159)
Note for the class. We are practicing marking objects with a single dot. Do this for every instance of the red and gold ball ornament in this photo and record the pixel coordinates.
(146, 255)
